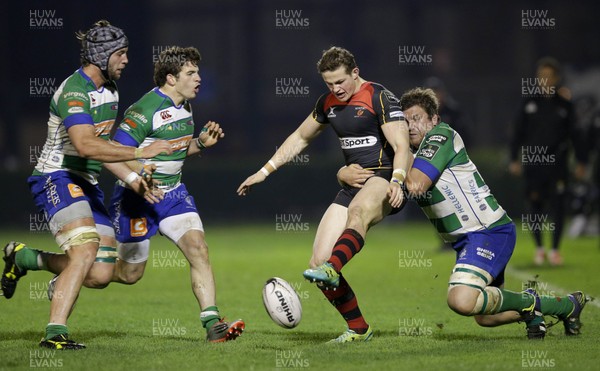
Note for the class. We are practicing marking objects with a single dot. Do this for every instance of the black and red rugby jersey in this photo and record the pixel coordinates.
(358, 122)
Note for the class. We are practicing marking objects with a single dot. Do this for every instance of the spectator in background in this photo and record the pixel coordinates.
(543, 133)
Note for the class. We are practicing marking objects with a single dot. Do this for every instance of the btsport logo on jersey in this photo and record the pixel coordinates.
(358, 142)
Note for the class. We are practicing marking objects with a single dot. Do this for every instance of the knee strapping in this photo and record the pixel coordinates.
(78, 236)
(489, 299)
(106, 254)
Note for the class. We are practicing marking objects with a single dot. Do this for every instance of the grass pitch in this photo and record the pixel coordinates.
(400, 279)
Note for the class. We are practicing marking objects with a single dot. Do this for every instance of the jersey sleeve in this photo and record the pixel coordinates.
(387, 107)
(134, 128)
(73, 107)
(434, 154)
(319, 111)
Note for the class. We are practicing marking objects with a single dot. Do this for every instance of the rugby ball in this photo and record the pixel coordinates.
(282, 303)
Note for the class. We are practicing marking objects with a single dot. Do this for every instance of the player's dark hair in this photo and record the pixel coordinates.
(550, 62)
(424, 98)
(335, 57)
(170, 62)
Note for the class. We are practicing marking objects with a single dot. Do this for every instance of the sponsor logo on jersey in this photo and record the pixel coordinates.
(75, 110)
(75, 190)
(165, 115)
(138, 116)
(114, 107)
(428, 151)
(437, 138)
(357, 142)
(75, 103)
(138, 227)
(331, 113)
(75, 94)
(180, 143)
(129, 123)
(390, 96)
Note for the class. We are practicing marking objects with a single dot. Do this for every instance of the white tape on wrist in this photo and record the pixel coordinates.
(264, 171)
(132, 177)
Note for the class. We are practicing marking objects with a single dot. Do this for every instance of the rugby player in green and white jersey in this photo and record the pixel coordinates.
(449, 189)
(64, 182)
(165, 113)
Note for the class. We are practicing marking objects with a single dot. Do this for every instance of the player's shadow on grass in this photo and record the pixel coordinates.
(35, 336)
(21, 335)
(307, 337)
(103, 333)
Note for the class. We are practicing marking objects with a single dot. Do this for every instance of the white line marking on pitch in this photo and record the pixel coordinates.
(527, 276)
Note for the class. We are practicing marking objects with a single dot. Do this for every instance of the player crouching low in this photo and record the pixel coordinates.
(448, 187)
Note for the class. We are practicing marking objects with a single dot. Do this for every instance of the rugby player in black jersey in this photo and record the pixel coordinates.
(374, 135)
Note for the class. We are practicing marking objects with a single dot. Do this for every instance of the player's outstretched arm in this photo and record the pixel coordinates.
(210, 134)
(88, 145)
(291, 147)
(396, 133)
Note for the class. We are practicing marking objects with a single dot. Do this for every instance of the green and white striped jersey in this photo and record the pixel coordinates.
(459, 201)
(155, 117)
(76, 102)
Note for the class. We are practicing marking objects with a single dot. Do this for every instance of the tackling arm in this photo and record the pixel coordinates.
(88, 145)
(396, 133)
(417, 182)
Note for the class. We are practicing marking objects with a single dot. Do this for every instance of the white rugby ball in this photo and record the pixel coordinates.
(282, 303)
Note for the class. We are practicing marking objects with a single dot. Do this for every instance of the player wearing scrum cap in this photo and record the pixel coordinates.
(452, 193)
(372, 132)
(64, 183)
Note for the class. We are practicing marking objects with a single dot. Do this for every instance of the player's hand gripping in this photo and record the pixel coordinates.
(354, 175)
(146, 187)
(396, 194)
(210, 134)
(156, 148)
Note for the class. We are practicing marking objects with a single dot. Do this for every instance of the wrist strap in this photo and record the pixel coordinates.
(132, 177)
(200, 144)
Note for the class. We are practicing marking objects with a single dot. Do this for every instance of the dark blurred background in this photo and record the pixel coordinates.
(254, 51)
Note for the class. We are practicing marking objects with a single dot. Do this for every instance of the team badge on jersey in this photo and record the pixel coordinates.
(138, 227)
(428, 151)
(75, 190)
(437, 138)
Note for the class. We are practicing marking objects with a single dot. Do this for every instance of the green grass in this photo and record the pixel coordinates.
(119, 324)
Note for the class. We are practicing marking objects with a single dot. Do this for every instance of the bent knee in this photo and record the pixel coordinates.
(99, 276)
(462, 307)
(129, 278)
